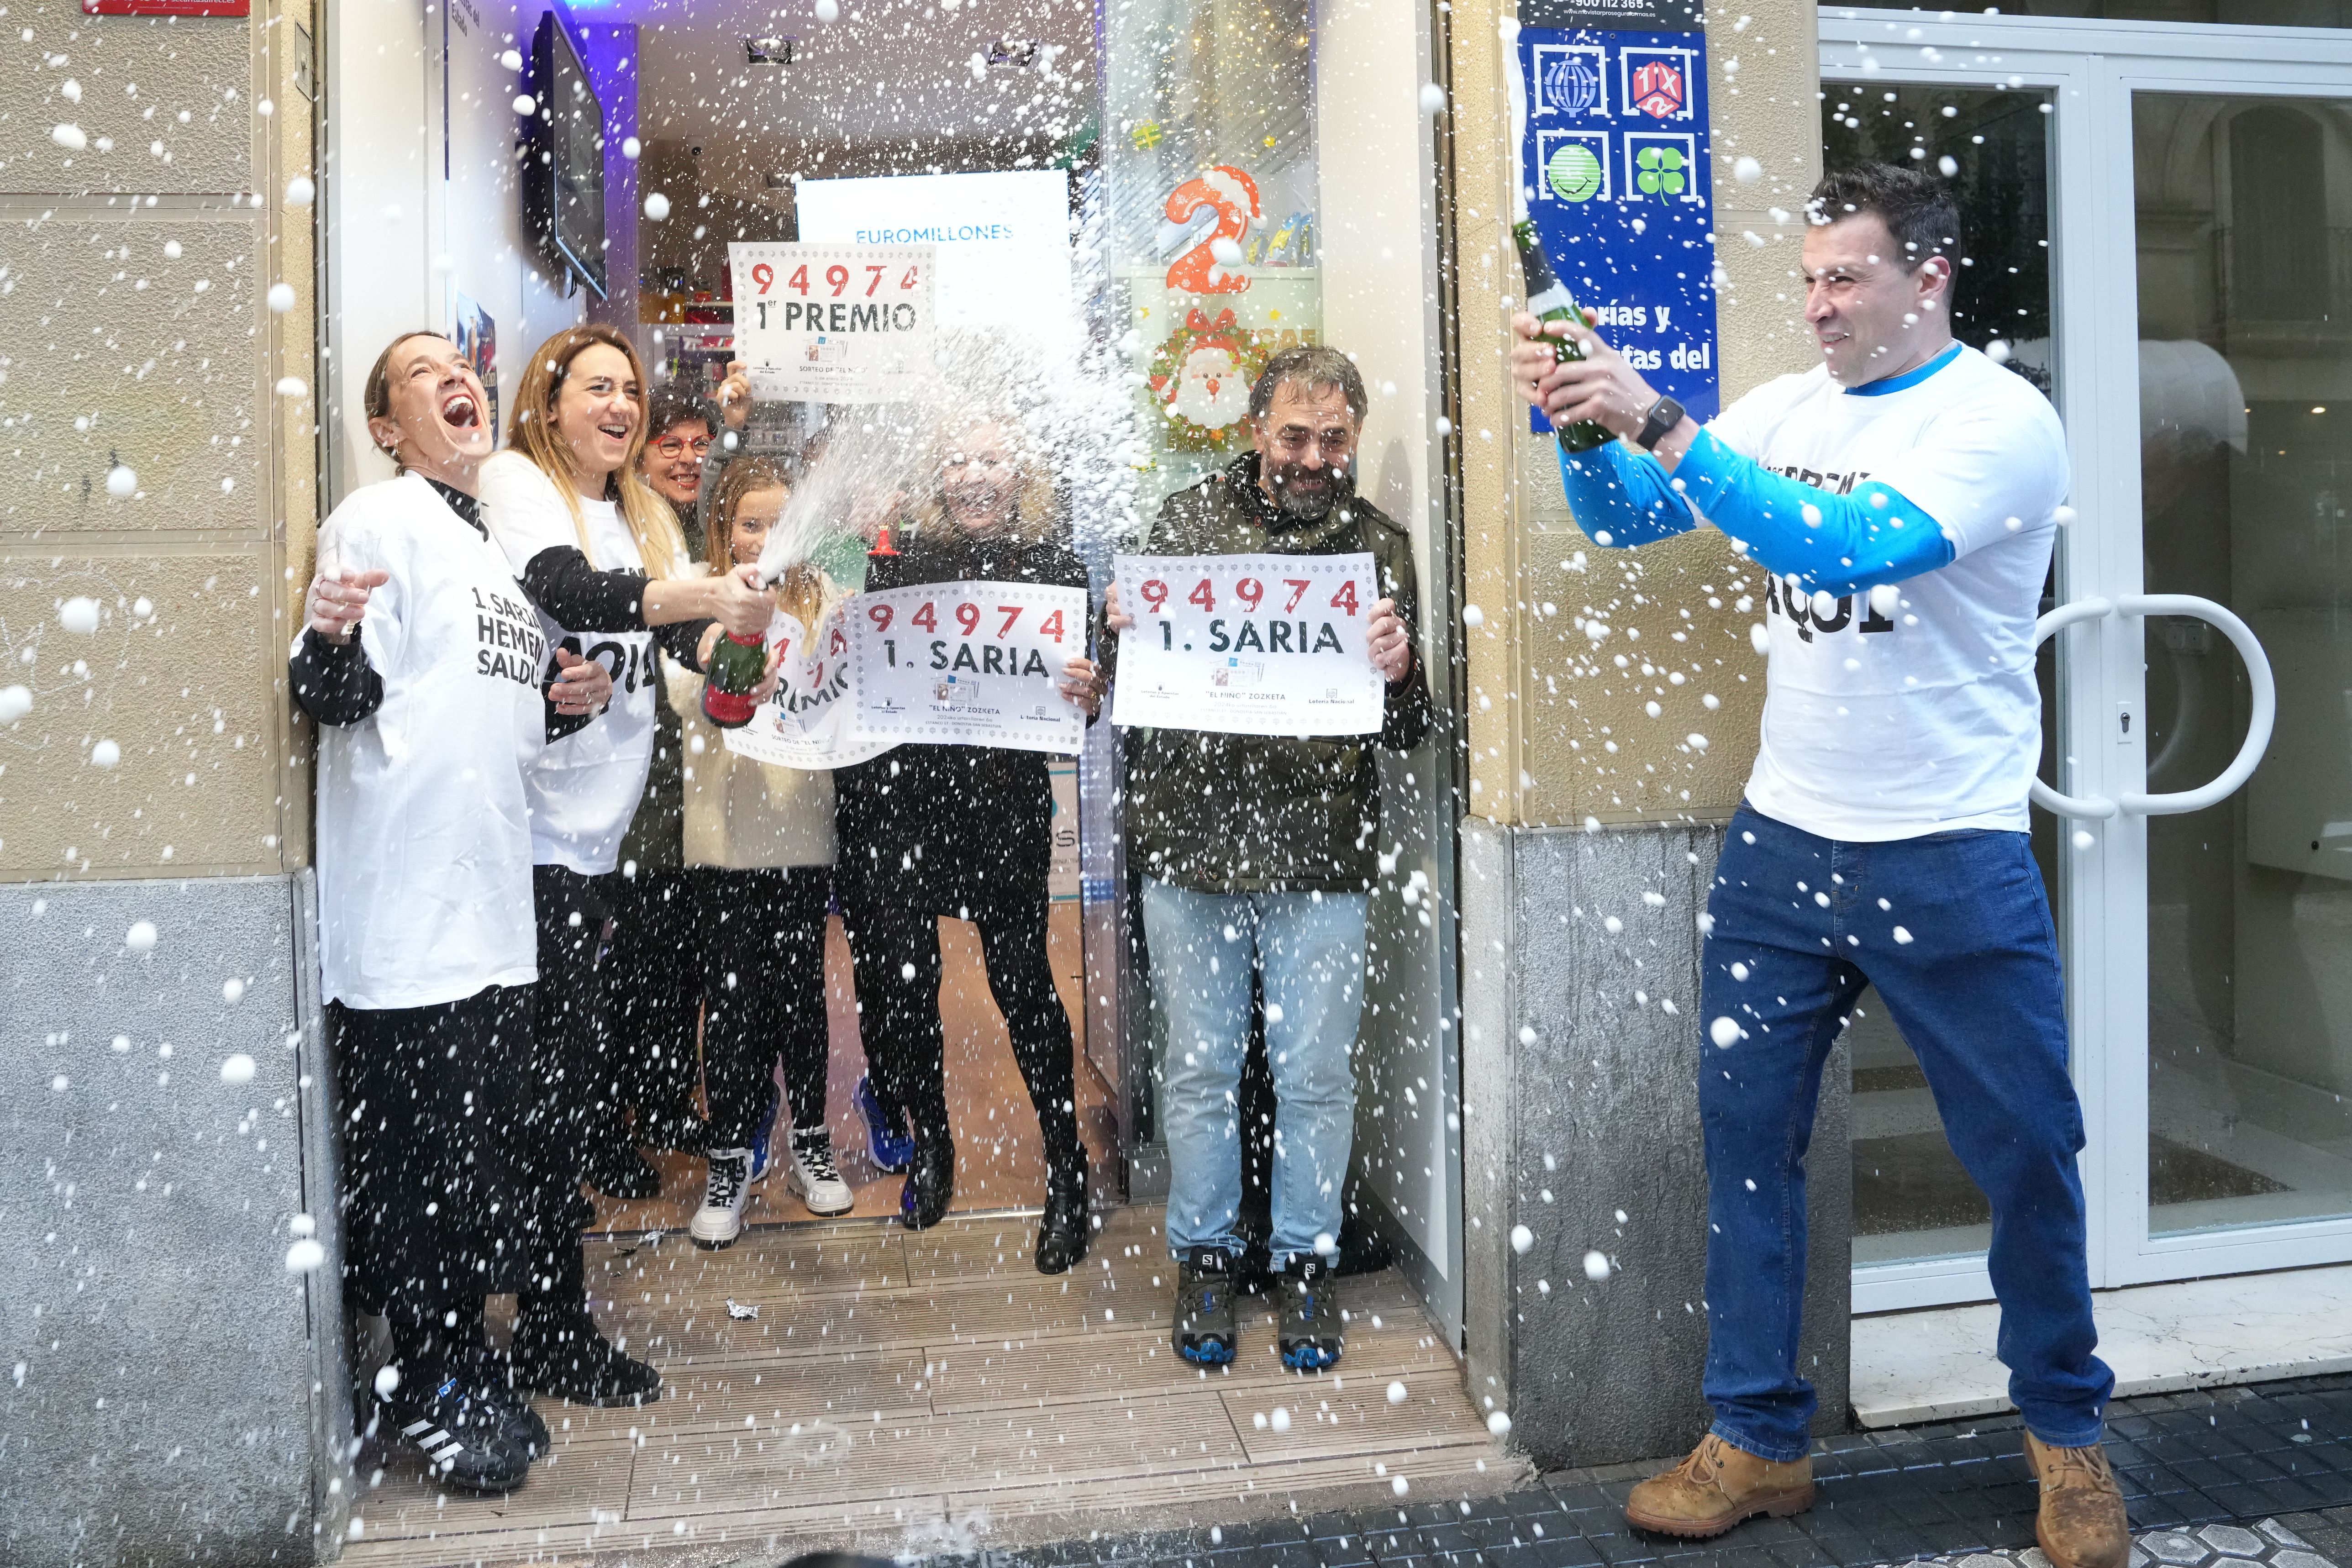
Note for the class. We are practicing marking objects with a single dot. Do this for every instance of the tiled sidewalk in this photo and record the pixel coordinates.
(2276, 1459)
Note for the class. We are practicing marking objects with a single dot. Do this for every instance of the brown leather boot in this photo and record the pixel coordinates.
(1718, 1486)
(2080, 1523)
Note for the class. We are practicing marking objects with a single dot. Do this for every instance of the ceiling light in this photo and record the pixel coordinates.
(775, 51)
(1013, 52)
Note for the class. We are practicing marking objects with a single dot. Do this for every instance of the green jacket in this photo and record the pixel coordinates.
(1254, 814)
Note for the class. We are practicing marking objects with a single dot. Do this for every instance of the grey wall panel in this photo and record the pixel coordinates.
(155, 1364)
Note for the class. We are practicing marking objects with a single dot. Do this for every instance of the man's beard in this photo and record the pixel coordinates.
(1309, 505)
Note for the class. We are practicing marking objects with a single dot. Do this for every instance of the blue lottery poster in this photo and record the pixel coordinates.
(1619, 179)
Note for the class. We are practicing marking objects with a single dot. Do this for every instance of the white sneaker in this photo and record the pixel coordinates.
(720, 1220)
(812, 1174)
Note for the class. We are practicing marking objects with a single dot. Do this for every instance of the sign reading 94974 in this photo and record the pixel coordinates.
(1248, 645)
(969, 663)
(834, 323)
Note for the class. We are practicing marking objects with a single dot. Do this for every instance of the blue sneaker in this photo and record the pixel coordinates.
(763, 1142)
(887, 1144)
(1203, 1330)
(1311, 1336)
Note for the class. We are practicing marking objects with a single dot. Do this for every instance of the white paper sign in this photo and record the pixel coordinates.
(969, 663)
(811, 723)
(1002, 238)
(1248, 645)
(834, 323)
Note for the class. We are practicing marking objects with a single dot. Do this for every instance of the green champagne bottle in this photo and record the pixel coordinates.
(737, 667)
(1549, 300)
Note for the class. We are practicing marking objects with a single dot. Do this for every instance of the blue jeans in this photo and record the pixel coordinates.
(1309, 947)
(1954, 929)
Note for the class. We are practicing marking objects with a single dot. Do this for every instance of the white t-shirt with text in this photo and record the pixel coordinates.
(1885, 723)
(583, 793)
(424, 850)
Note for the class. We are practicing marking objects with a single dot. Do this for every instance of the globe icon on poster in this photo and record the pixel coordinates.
(1571, 83)
(1574, 172)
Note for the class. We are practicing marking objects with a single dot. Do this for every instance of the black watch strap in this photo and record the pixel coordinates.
(1664, 415)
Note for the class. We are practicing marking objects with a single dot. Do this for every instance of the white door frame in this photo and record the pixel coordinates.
(2091, 71)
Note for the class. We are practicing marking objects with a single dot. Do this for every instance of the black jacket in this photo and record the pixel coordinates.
(1247, 814)
(946, 829)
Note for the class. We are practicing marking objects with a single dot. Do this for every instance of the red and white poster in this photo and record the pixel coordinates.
(1249, 645)
(969, 663)
(834, 323)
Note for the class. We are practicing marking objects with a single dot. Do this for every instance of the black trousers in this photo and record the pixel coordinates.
(447, 1196)
(896, 953)
(580, 1082)
(652, 999)
(763, 970)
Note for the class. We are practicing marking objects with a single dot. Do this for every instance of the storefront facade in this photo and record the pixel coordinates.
(1242, 177)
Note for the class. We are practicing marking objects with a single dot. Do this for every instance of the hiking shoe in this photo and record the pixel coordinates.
(1067, 1228)
(2081, 1522)
(618, 1171)
(1716, 1488)
(814, 1175)
(559, 1350)
(887, 1144)
(725, 1190)
(450, 1418)
(930, 1185)
(1310, 1335)
(1203, 1330)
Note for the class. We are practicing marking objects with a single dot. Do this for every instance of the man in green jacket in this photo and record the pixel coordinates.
(1260, 852)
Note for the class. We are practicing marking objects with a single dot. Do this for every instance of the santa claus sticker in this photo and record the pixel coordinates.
(1202, 378)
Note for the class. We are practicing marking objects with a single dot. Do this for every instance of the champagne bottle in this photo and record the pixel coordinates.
(737, 667)
(1549, 300)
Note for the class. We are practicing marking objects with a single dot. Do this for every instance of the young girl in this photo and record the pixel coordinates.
(759, 853)
(602, 557)
(422, 660)
(965, 832)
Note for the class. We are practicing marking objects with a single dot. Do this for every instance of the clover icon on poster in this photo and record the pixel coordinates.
(1658, 171)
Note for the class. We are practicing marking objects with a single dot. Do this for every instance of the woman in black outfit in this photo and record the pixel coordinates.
(964, 833)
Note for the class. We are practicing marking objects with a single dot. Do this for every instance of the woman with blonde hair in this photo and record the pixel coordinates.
(601, 555)
(758, 852)
(965, 833)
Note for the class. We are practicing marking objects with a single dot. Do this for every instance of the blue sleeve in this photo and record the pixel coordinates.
(1831, 543)
(1621, 497)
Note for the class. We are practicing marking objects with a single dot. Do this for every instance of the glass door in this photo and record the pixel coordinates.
(2199, 349)
(2240, 207)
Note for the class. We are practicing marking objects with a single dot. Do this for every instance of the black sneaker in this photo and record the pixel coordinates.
(618, 1171)
(559, 1350)
(1311, 1336)
(447, 1416)
(493, 1370)
(1204, 1330)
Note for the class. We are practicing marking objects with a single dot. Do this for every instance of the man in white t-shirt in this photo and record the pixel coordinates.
(1899, 498)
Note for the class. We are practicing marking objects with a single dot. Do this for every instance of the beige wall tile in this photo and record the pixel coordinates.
(186, 694)
(167, 378)
(201, 67)
(1539, 706)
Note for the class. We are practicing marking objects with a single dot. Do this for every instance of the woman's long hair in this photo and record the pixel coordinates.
(801, 594)
(532, 431)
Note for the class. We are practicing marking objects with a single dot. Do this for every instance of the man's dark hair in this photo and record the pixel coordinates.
(1313, 366)
(1916, 207)
(673, 403)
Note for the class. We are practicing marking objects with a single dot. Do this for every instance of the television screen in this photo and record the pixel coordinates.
(565, 164)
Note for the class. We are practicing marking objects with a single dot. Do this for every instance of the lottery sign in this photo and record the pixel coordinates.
(1250, 644)
(834, 323)
(969, 663)
(812, 721)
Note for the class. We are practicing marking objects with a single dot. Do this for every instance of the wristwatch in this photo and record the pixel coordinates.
(1664, 415)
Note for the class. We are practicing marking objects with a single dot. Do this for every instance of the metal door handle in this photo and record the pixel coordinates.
(2258, 727)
